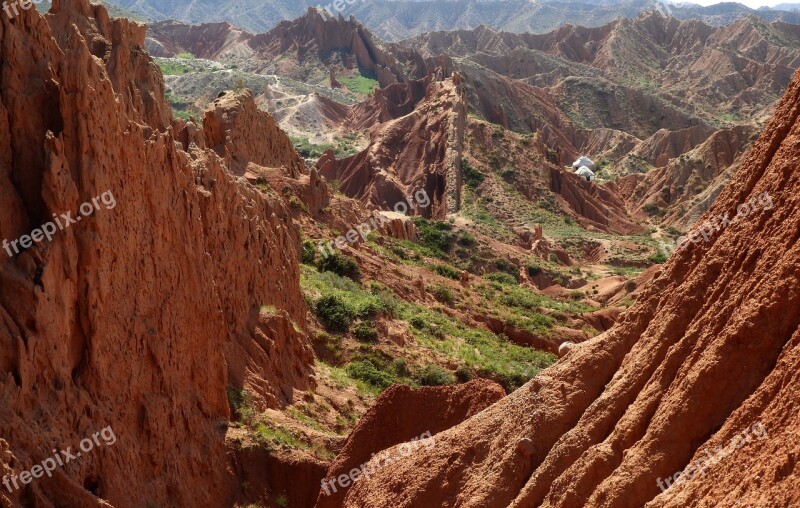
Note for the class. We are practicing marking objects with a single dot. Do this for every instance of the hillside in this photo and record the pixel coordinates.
(654, 398)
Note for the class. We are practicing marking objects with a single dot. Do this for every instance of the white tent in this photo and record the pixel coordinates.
(586, 173)
(584, 161)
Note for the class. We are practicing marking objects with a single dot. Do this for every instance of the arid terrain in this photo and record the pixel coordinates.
(312, 268)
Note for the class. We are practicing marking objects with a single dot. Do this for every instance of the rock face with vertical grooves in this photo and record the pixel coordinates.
(420, 150)
(711, 349)
(140, 315)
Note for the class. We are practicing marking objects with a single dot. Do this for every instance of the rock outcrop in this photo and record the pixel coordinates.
(419, 151)
(139, 316)
(599, 206)
(401, 414)
(649, 398)
(240, 133)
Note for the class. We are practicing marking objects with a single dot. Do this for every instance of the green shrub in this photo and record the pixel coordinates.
(400, 367)
(506, 266)
(365, 331)
(533, 270)
(659, 259)
(400, 252)
(467, 240)
(504, 279)
(367, 372)
(447, 271)
(309, 252)
(240, 403)
(464, 374)
(334, 312)
(339, 264)
(510, 380)
(433, 375)
(472, 177)
(442, 294)
(652, 209)
(418, 322)
(436, 236)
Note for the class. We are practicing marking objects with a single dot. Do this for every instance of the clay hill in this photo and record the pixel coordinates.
(644, 400)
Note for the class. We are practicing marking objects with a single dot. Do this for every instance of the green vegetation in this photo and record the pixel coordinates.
(309, 254)
(180, 107)
(170, 68)
(367, 372)
(474, 349)
(365, 331)
(652, 209)
(344, 147)
(361, 84)
(276, 436)
(472, 177)
(282, 501)
(185, 56)
(240, 403)
(433, 375)
(436, 237)
(447, 271)
(341, 300)
(442, 293)
(339, 264)
(504, 279)
(335, 313)
(308, 150)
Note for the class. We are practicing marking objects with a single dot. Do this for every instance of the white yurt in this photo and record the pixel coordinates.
(586, 173)
(584, 161)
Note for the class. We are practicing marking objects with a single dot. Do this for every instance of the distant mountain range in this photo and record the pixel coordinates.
(394, 20)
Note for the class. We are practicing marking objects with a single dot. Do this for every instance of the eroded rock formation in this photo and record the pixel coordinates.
(139, 316)
(418, 151)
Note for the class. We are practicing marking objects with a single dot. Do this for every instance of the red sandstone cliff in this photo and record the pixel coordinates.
(139, 316)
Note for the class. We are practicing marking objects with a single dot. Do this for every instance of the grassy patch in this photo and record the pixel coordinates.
(169, 68)
(361, 84)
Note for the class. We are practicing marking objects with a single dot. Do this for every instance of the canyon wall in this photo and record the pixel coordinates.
(141, 314)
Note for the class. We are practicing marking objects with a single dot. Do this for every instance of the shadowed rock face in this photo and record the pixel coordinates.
(645, 399)
(140, 315)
